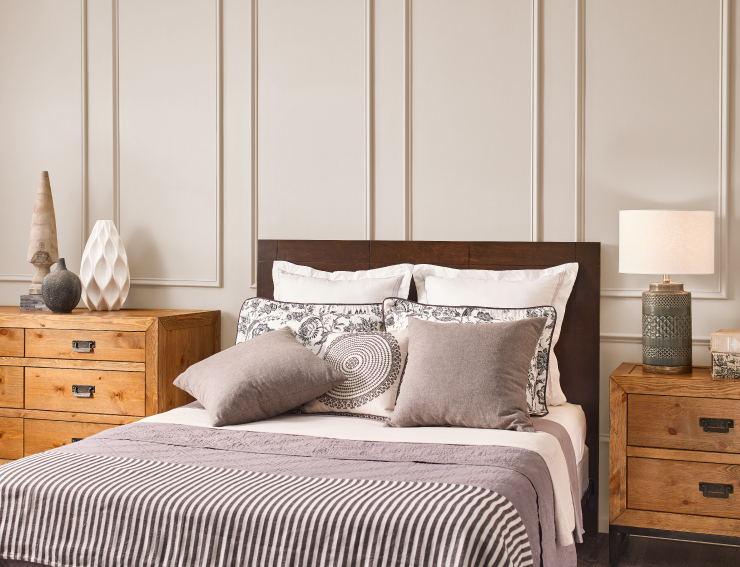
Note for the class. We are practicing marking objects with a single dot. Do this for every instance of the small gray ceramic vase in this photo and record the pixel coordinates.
(61, 289)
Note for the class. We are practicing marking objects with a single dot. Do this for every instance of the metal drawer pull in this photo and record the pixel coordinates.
(76, 439)
(83, 391)
(712, 490)
(716, 424)
(83, 346)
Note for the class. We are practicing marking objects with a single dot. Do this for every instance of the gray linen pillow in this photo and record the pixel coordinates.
(467, 375)
(257, 379)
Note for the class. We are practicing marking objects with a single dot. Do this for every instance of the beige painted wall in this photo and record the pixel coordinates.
(429, 119)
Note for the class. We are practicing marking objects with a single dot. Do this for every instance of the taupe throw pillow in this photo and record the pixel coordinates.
(467, 375)
(257, 379)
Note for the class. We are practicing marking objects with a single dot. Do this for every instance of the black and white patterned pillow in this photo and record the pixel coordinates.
(373, 364)
(310, 322)
(396, 313)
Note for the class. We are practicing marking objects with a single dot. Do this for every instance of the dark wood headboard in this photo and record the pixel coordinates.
(578, 347)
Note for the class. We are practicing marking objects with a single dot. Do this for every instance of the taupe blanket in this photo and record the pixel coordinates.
(155, 494)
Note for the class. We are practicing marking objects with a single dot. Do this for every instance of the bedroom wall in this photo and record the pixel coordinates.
(198, 125)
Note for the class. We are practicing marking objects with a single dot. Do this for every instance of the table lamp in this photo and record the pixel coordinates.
(666, 242)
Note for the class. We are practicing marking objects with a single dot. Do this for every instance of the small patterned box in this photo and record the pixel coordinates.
(725, 347)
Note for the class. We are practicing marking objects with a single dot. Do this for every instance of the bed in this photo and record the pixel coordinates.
(329, 490)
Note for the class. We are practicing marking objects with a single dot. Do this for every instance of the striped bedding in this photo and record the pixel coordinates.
(160, 494)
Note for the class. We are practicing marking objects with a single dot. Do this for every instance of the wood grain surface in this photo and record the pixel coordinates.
(11, 342)
(124, 346)
(67, 363)
(40, 435)
(673, 486)
(11, 387)
(683, 455)
(11, 438)
(617, 450)
(116, 393)
(672, 422)
(68, 416)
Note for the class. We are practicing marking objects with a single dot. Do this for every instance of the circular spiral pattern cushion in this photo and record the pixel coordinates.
(373, 364)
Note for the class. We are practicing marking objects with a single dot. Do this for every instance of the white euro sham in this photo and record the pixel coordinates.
(301, 284)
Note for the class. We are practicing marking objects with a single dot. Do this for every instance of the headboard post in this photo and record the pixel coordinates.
(579, 344)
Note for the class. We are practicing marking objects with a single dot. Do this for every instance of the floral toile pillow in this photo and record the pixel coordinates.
(396, 313)
(310, 322)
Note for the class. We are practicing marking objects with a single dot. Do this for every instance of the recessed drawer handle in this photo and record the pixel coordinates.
(83, 346)
(716, 424)
(712, 490)
(83, 391)
(76, 439)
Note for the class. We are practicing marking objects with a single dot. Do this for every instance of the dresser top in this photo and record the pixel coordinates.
(699, 383)
(634, 370)
(124, 319)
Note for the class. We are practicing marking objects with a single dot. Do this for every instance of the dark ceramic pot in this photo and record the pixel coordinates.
(61, 289)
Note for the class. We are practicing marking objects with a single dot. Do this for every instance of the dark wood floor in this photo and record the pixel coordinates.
(650, 552)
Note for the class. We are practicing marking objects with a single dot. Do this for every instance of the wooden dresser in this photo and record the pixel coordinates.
(674, 456)
(64, 377)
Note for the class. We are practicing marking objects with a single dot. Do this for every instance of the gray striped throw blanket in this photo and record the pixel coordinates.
(160, 495)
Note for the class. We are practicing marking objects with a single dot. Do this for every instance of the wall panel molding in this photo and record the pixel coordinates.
(536, 102)
(254, 180)
(580, 91)
(535, 121)
(83, 147)
(408, 202)
(633, 338)
(723, 162)
(219, 181)
(369, 119)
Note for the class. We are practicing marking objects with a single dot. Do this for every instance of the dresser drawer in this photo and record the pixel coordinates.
(11, 387)
(42, 435)
(124, 346)
(116, 393)
(673, 422)
(11, 437)
(673, 486)
(11, 342)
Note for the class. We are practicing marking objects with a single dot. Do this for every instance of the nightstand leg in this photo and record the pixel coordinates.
(616, 539)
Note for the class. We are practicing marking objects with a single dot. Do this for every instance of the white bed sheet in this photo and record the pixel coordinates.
(338, 427)
(572, 418)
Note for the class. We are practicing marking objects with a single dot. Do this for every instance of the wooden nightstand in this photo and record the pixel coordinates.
(64, 377)
(674, 456)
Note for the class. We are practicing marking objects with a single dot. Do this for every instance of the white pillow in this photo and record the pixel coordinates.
(302, 284)
(437, 285)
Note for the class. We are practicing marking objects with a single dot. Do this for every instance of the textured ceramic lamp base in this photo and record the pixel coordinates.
(666, 329)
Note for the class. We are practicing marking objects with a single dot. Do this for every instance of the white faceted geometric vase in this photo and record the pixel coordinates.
(104, 271)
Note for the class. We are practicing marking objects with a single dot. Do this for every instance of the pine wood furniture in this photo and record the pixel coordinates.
(674, 456)
(578, 347)
(136, 356)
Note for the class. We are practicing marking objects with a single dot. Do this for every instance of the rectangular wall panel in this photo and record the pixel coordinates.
(168, 128)
(311, 138)
(471, 81)
(40, 125)
(653, 120)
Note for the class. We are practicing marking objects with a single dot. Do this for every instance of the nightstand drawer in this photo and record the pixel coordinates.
(11, 342)
(677, 422)
(116, 393)
(674, 486)
(11, 387)
(124, 346)
(42, 435)
(11, 438)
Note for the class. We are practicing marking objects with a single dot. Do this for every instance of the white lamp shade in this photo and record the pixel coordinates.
(666, 242)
